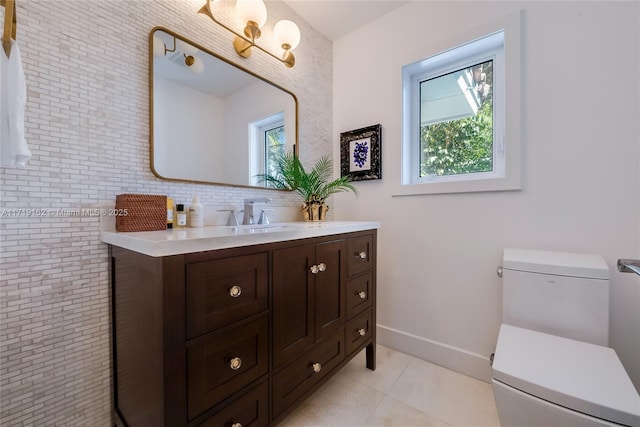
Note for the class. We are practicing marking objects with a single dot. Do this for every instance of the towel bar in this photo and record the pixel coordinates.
(10, 24)
(629, 266)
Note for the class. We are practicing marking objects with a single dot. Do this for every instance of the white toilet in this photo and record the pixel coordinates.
(551, 366)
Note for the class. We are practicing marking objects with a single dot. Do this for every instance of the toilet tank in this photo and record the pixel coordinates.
(559, 293)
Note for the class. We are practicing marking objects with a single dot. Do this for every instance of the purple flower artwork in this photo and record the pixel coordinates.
(360, 154)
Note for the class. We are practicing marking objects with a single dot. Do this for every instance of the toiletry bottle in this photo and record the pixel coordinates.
(196, 213)
(169, 212)
(181, 216)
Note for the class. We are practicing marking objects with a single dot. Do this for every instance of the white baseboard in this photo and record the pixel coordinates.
(454, 358)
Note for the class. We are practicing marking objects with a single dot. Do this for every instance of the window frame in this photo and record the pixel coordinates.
(469, 48)
(257, 145)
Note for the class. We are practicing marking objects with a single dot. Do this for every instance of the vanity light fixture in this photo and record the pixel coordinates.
(254, 12)
(193, 63)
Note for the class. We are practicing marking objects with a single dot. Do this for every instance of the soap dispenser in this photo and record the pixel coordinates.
(196, 213)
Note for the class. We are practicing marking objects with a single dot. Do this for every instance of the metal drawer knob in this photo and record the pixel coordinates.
(362, 295)
(235, 291)
(314, 269)
(362, 255)
(235, 363)
(322, 266)
(362, 332)
(317, 367)
(236, 425)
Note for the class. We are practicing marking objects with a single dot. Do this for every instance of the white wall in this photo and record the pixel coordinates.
(240, 112)
(188, 121)
(438, 293)
(87, 125)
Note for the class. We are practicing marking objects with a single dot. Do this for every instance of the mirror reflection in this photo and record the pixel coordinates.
(213, 121)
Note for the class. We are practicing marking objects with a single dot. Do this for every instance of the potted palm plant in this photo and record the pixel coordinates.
(314, 186)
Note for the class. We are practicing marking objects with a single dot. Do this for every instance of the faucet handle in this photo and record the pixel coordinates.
(263, 216)
(232, 219)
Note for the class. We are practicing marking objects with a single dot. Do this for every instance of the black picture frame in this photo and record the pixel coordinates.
(361, 153)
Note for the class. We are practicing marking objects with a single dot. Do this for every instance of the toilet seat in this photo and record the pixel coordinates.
(583, 377)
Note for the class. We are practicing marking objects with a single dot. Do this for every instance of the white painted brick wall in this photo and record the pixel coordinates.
(86, 65)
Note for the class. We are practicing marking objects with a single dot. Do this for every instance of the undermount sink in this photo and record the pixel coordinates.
(257, 228)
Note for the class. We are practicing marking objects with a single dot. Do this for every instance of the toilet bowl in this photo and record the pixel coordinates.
(550, 367)
(546, 380)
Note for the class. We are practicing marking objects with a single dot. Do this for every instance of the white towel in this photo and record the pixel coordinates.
(14, 152)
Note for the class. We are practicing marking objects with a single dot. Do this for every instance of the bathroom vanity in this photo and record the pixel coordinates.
(235, 326)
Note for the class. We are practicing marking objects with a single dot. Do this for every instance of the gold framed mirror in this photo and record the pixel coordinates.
(212, 121)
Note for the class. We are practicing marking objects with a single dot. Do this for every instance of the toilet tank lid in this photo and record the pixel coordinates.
(559, 263)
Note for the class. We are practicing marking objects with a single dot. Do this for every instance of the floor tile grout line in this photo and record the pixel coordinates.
(400, 374)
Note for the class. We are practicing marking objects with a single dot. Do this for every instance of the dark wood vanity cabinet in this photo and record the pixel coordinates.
(308, 296)
(238, 337)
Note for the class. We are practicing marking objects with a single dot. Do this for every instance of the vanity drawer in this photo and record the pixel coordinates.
(250, 410)
(221, 363)
(298, 377)
(359, 255)
(359, 291)
(223, 291)
(359, 331)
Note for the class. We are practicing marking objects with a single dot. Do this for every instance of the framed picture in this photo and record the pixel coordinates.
(360, 153)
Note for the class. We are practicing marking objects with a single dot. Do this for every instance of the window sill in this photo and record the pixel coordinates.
(452, 187)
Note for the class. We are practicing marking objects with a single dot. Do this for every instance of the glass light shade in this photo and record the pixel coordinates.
(197, 67)
(286, 32)
(251, 10)
(158, 47)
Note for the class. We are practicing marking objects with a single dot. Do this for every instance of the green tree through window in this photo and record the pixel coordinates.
(462, 145)
(274, 140)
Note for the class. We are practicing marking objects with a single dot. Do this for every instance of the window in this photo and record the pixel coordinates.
(454, 136)
(274, 147)
(267, 142)
(456, 123)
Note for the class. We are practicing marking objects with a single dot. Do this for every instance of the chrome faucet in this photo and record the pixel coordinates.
(248, 209)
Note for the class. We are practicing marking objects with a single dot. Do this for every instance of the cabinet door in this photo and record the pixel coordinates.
(293, 302)
(330, 287)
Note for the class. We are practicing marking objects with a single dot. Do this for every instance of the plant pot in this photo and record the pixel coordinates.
(314, 211)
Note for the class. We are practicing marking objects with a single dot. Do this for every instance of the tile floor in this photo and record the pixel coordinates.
(403, 391)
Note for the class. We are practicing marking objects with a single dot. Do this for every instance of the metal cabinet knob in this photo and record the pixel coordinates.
(315, 269)
(362, 295)
(317, 367)
(236, 425)
(362, 332)
(362, 255)
(235, 291)
(235, 363)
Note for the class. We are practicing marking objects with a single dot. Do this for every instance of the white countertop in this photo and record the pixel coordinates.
(187, 240)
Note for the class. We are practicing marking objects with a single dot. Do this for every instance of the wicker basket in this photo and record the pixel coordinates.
(141, 212)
